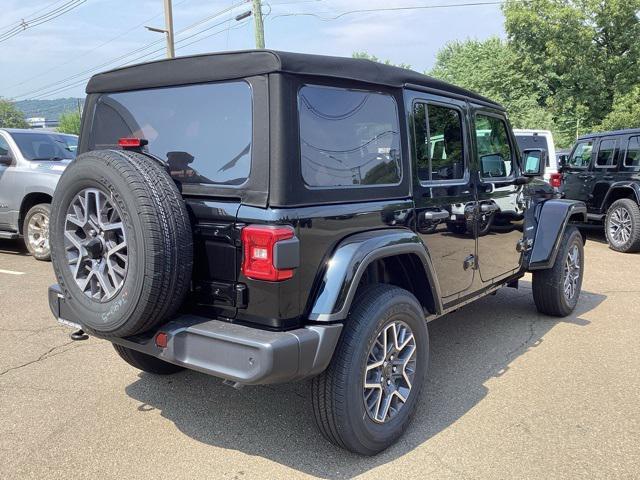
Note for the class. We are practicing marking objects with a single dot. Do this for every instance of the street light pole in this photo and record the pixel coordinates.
(259, 26)
(168, 22)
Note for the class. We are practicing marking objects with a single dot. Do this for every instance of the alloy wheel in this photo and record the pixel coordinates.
(572, 273)
(620, 226)
(389, 372)
(96, 244)
(38, 233)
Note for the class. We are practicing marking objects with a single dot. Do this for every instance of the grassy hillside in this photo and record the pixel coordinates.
(50, 109)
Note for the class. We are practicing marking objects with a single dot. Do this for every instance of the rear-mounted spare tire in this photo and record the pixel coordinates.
(121, 242)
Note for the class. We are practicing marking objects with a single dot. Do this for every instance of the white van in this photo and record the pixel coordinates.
(539, 139)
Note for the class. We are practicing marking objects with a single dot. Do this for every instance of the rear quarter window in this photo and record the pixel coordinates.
(632, 157)
(348, 137)
(203, 131)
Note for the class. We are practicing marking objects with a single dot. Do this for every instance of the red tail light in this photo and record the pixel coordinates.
(132, 142)
(259, 243)
(555, 180)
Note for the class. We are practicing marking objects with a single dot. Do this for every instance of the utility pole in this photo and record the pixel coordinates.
(259, 26)
(168, 22)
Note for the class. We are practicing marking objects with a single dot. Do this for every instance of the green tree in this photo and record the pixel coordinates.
(10, 116)
(584, 53)
(373, 58)
(489, 68)
(625, 112)
(69, 122)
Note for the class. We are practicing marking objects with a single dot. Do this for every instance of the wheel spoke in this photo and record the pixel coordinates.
(96, 244)
(389, 372)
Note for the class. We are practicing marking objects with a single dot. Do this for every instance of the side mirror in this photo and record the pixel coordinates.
(563, 161)
(534, 161)
(6, 160)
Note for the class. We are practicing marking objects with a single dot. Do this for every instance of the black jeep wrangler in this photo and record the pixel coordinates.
(603, 170)
(266, 217)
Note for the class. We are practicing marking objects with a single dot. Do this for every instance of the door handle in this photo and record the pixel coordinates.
(488, 208)
(436, 215)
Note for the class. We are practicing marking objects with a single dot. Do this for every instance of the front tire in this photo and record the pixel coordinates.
(36, 231)
(367, 396)
(622, 226)
(556, 290)
(145, 362)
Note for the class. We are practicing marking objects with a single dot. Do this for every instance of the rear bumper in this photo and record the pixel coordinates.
(234, 352)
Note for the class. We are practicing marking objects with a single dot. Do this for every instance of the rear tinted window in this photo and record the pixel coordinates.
(348, 137)
(202, 131)
(439, 142)
(607, 153)
(632, 158)
(528, 141)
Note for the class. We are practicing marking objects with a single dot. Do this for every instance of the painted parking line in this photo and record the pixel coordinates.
(11, 272)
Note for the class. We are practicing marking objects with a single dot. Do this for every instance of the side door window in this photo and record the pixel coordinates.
(632, 157)
(607, 153)
(581, 155)
(495, 154)
(439, 143)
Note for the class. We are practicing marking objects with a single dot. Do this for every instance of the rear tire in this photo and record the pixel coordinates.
(35, 231)
(362, 371)
(145, 362)
(556, 290)
(622, 226)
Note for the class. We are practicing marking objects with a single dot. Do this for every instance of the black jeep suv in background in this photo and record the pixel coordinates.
(265, 217)
(603, 170)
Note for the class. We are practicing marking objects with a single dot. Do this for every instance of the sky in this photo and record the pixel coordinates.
(55, 59)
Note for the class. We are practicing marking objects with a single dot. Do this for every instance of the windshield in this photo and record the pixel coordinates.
(42, 146)
(71, 141)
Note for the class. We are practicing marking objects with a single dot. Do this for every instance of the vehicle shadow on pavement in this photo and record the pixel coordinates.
(468, 348)
(13, 247)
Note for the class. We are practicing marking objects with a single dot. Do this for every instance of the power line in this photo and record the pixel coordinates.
(29, 16)
(51, 15)
(87, 52)
(38, 90)
(387, 9)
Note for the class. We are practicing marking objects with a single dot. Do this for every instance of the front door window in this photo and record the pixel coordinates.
(581, 156)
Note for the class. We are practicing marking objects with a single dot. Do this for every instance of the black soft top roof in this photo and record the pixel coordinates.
(232, 65)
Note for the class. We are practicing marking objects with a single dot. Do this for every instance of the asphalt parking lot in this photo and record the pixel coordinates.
(511, 394)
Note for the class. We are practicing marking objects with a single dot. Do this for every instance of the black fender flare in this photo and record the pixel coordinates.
(632, 186)
(551, 221)
(350, 259)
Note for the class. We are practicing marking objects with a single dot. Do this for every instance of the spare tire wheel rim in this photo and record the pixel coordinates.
(389, 372)
(95, 242)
